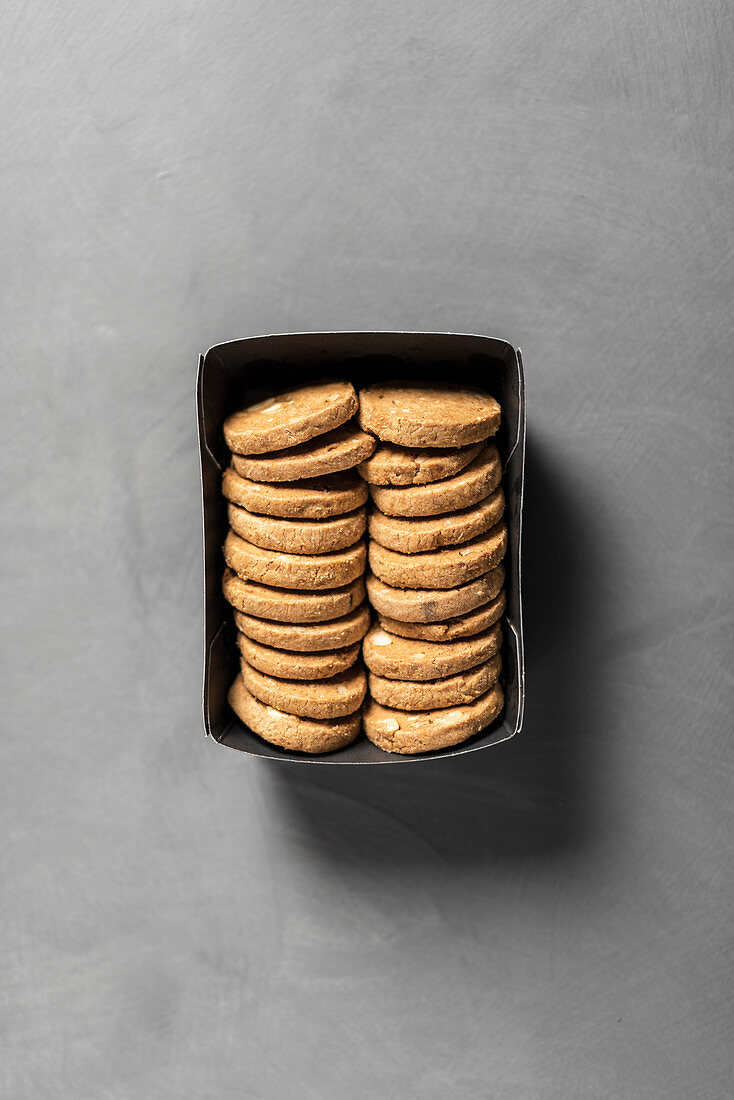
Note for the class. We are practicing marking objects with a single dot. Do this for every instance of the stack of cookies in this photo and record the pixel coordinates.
(295, 557)
(437, 540)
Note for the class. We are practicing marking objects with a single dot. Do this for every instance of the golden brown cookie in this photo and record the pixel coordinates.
(294, 570)
(463, 626)
(453, 691)
(340, 449)
(286, 730)
(287, 606)
(472, 484)
(415, 659)
(433, 605)
(298, 536)
(445, 568)
(290, 418)
(297, 666)
(406, 732)
(394, 465)
(312, 498)
(428, 415)
(411, 535)
(342, 694)
(307, 637)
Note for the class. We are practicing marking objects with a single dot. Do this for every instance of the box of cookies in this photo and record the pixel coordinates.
(362, 502)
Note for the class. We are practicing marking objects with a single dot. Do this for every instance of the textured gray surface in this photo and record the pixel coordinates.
(551, 919)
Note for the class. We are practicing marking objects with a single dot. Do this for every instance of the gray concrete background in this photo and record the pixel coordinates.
(549, 919)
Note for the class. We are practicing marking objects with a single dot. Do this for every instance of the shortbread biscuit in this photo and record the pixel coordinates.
(307, 637)
(410, 732)
(411, 535)
(453, 691)
(340, 449)
(433, 605)
(294, 570)
(297, 666)
(415, 659)
(290, 418)
(394, 465)
(445, 568)
(312, 498)
(472, 484)
(342, 694)
(298, 536)
(286, 730)
(463, 626)
(428, 415)
(287, 606)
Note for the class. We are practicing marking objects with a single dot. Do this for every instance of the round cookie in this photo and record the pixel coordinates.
(472, 484)
(394, 465)
(290, 418)
(428, 415)
(414, 659)
(281, 570)
(417, 533)
(453, 691)
(286, 606)
(286, 730)
(307, 637)
(307, 536)
(463, 626)
(433, 605)
(297, 666)
(312, 498)
(446, 568)
(409, 733)
(333, 698)
(340, 449)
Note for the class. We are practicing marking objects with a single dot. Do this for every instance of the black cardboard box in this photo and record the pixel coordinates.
(240, 372)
